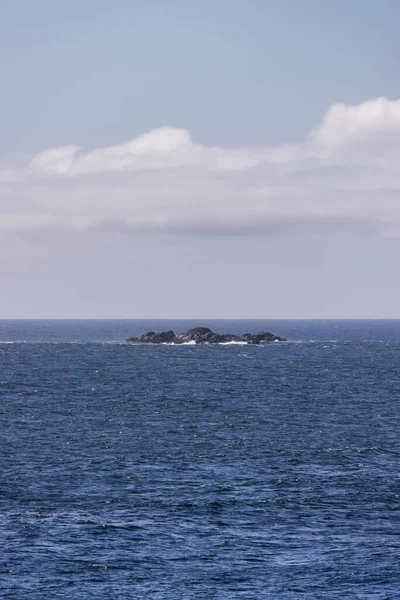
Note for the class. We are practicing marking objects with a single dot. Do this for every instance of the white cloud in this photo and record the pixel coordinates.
(367, 123)
(344, 177)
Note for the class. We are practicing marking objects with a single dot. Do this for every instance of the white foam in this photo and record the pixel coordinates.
(233, 343)
(191, 343)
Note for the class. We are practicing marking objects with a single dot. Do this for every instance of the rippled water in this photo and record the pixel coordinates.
(171, 472)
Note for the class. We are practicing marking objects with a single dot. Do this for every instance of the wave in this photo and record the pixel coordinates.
(313, 342)
(235, 344)
(191, 343)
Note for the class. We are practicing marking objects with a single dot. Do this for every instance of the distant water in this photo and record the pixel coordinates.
(199, 472)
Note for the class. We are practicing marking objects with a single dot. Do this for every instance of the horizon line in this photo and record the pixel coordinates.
(199, 319)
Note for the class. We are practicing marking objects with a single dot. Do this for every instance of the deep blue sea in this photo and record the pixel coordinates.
(199, 472)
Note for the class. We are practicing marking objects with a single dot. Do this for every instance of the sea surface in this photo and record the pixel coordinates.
(199, 472)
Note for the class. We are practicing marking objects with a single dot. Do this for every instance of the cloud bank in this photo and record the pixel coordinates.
(344, 177)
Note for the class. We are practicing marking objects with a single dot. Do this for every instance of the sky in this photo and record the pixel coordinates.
(222, 159)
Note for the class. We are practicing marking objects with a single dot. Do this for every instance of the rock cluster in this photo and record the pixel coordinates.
(204, 335)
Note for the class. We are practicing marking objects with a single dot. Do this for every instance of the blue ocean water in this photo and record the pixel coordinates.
(199, 472)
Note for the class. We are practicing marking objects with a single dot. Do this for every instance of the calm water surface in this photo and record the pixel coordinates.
(199, 472)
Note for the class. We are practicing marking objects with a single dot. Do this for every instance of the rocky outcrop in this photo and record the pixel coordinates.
(204, 335)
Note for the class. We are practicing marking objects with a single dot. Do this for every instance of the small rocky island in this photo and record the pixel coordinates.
(204, 335)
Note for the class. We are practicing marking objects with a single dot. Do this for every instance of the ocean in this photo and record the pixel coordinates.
(199, 472)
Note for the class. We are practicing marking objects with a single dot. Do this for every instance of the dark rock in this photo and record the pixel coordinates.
(196, 331)
(204, 335)
(165, 337)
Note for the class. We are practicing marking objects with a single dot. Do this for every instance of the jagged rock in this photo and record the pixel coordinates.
(165, 337)
(204, 335)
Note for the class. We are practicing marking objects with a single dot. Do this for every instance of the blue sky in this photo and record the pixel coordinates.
(199, 147)
(238, 72)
